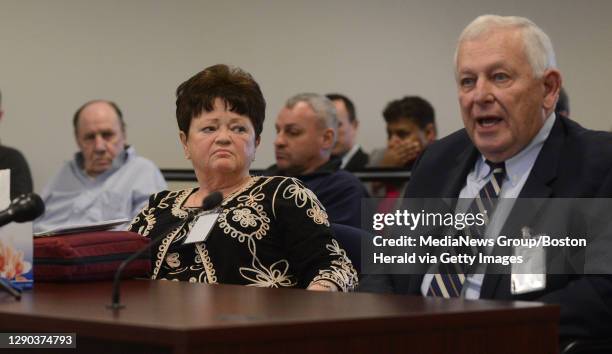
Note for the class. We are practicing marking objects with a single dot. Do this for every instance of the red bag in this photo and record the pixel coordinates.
(88, 256)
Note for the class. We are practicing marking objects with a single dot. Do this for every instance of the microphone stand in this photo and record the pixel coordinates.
(210, 202)
(116, 304)
(5, 285)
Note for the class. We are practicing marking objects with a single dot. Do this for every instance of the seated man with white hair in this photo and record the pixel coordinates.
(513, 146)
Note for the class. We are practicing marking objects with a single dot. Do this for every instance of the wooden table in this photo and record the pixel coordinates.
(180, 318)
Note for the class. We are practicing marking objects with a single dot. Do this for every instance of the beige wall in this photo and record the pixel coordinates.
(57, 54)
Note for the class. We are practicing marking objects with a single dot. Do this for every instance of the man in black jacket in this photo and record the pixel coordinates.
(508, 86)
(10, 158)
(351, 155)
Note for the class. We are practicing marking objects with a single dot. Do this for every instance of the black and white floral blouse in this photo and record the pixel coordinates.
(273, 232)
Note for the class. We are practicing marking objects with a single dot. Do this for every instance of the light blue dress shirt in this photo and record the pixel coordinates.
(518, 168)
(73, 197)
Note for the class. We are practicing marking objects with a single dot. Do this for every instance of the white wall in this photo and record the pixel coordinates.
(55, 55)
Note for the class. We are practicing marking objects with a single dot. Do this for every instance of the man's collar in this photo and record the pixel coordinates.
(524, 159)
(349, 155)
(329, 167)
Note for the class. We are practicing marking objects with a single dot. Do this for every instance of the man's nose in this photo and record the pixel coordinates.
(99, 143)
(280, 140)
(393, 139)
(483, 92)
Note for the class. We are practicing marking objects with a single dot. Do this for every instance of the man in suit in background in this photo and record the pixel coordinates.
(346, 149)
(508, 85)
(562, 109)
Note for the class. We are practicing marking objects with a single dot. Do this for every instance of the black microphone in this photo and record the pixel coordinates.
(211, 201)
(25, 207)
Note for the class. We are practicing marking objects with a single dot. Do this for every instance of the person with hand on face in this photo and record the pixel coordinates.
(106, 180)
(410, 128)
(269, 232)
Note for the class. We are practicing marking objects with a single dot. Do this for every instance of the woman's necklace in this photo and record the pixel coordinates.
(227, 195)
(247, 182)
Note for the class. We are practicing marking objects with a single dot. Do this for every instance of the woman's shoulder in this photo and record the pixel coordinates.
(168, 196)
(286, 188)
(294, 201)
(277, 181)
(276, 184)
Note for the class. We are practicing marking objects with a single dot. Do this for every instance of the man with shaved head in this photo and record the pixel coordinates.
(106, 180)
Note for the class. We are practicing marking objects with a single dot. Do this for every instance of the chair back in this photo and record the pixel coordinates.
(350, 239)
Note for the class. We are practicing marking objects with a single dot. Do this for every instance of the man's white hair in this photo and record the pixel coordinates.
(537, 45)
(323, 107)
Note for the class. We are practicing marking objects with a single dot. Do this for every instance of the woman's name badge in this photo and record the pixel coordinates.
(530, 275)
(201, 227)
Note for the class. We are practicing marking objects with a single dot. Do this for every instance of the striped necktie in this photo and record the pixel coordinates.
(450, 279)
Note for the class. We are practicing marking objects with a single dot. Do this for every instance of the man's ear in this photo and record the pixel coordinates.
(552, 85)
(183, 138)
(430, 133)
(257, 141)
(328, 138)
(76, 140)
(1, 114)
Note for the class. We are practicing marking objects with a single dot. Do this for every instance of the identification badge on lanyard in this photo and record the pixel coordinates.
(202, 226)
(530, 275)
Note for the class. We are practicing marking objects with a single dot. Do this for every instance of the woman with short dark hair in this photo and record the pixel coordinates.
(270, 231)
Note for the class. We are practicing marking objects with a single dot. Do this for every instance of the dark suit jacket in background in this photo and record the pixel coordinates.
(574, 163)
(357, 162)
(21, 179)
